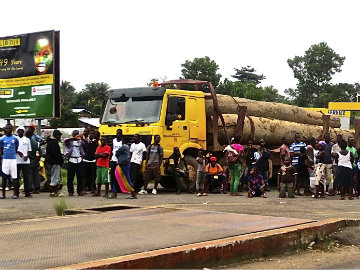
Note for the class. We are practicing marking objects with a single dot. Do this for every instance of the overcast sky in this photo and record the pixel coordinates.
(127, 43)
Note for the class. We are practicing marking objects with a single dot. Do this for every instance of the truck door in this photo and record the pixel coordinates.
(193, 113)
(176, 129)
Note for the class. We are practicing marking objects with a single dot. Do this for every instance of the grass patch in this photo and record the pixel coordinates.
(60, 206)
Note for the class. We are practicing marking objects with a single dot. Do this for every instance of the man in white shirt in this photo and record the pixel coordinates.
(137, 150)
(116, 144)
(22, 159)
(75, 152)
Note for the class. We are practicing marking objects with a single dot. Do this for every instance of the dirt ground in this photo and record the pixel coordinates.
(340, 250)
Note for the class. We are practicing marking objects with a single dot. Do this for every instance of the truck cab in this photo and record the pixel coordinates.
(178, 116)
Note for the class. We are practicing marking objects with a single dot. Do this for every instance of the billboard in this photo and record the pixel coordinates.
(29, 75)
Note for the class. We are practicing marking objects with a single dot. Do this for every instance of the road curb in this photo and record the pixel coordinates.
(208, 253)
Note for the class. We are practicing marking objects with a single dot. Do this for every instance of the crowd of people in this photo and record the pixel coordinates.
(319, 168)
(327, 167)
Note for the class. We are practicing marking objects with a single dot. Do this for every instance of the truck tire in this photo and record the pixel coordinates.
(192, 166)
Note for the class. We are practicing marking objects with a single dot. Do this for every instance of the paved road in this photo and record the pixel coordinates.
(52, 242)
(301, 207)
(42, 206)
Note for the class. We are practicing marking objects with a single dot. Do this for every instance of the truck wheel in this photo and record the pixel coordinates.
(192, 166)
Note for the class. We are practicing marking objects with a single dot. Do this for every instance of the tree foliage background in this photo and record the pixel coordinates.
(90, 98)
(314, 72)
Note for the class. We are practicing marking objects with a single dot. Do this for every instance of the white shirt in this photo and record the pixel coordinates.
(116, 146)
(137, 151)
(345, 161)
(24, 147)
(75, 154)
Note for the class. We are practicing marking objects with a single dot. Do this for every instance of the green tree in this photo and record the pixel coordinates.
(67, 102)
(247, 74)
(92, 96)
(68, 119)
(250, 90)
(228, 87)
(67, 94)
(314, 72)
(203, 69)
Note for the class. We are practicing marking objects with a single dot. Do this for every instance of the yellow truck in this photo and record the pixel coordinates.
(192, 120)
(178, 116)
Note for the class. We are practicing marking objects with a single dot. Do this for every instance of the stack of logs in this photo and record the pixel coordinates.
(271, 121)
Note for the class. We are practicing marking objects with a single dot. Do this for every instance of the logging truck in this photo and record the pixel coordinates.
(193, 120)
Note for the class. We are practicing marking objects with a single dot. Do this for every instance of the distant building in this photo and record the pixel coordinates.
(83, 113)
(92, 123)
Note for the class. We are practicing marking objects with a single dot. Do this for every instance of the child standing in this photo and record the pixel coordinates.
(320, 171)
(102, 155)
(201, 174)
(256, 184)
(303, 175)
(344, 172)
(286, 179)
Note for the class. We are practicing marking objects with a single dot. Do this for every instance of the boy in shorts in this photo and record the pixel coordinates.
(9, 145)
(154, 156)
(102, 155)
(287, 179)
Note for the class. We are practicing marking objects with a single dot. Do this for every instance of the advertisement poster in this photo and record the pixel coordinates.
(29, 84)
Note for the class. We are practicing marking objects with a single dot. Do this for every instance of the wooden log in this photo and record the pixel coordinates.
(273, 130)
(228, 105)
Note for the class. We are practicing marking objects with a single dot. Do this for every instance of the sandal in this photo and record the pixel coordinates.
(342, 198)
(351, 197)
(264, 195)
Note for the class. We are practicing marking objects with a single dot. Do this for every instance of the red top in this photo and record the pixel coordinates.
(103, 162)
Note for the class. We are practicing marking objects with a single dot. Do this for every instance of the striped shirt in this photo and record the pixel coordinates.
(295, 147)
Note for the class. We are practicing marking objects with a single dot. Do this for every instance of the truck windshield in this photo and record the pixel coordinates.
(133, 109)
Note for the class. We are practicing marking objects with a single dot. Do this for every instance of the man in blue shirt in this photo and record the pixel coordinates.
(295, 153)
(8, 148)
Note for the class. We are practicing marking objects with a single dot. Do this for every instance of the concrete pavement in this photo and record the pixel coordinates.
(53, 242)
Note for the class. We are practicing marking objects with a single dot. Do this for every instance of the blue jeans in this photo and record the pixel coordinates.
(246, 174)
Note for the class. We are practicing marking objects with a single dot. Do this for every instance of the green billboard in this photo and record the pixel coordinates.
(29, 75)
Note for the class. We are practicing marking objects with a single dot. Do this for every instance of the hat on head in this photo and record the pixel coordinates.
(20, 127)
(213, 159)
(57, 132)
(32, 126)
(322, 143)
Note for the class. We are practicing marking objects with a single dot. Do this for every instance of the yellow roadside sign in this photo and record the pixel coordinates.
(338, 113)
